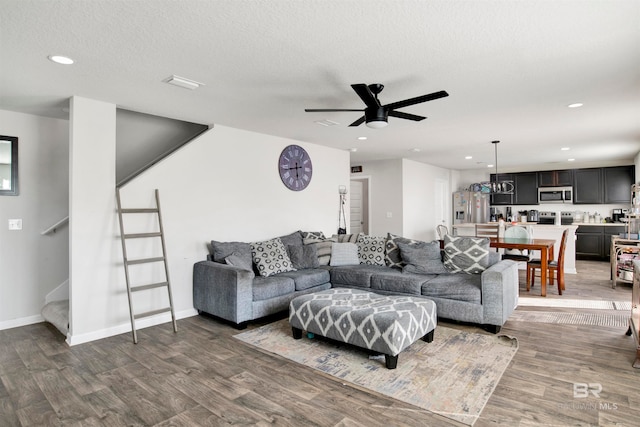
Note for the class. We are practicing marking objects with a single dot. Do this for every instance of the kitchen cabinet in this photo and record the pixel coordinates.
(526, 188)
(560, 178)
(593, 242)
(587, 186)
(502, 199)
(617, 182)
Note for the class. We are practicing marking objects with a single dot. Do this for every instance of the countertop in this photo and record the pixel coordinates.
(575, 224)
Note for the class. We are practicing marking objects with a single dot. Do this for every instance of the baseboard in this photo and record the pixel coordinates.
(126, 327)
(23, 321)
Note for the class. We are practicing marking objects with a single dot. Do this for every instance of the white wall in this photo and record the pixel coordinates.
(32, 265)
(426, 197)
(385, 196)
(224, 186)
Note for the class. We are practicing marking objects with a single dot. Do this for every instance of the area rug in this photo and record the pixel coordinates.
(573, 303)
(592, 319)
(453, 376)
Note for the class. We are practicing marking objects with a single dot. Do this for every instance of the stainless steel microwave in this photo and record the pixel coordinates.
(555, 195)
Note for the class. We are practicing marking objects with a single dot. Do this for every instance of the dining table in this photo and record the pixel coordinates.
(545, 246)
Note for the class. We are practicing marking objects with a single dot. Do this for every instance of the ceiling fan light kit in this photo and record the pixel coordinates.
(376, 115)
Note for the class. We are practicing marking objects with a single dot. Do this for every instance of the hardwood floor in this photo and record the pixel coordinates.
(202, 376)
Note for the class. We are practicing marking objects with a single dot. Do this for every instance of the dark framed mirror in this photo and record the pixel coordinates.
(8, 165)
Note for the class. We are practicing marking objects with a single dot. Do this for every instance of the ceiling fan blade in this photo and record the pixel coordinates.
(407, 116)
(324, 110)
(358, 122)
(366, 95)
(416, 100)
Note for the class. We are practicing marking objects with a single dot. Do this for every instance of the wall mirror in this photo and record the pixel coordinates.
(8, 165)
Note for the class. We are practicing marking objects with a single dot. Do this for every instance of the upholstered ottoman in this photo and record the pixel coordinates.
(382, 323)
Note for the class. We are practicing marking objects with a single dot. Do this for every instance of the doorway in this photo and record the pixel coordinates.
(359, 202)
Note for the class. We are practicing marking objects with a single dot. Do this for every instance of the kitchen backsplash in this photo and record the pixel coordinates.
(603, 210)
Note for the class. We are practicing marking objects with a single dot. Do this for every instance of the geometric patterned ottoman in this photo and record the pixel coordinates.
(383, 323)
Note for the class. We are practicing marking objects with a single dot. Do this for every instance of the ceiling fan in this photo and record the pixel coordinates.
(376, 115)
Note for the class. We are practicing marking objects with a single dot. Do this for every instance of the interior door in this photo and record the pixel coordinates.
(359, 201)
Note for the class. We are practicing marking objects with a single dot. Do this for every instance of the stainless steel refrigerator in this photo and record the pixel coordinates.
(470, 207)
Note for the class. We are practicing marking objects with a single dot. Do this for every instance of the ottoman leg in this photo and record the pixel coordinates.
(297, 333)
(429, 336)
(390, 361)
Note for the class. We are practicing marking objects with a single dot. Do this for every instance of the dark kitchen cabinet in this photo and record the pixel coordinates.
(526, 188)
(593, 242)
(561, 178)
(588, 186)
(617, 184)
(502, 199)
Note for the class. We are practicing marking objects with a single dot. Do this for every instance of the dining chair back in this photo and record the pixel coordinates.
(517, 232)
(442, 231)
(487, 230)
(555, 268)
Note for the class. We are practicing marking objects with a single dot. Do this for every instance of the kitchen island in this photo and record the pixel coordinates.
(540, 231)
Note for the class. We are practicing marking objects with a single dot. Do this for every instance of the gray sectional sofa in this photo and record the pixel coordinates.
(240, 282)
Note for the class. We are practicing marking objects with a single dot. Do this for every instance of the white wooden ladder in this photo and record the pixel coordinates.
(128, 262)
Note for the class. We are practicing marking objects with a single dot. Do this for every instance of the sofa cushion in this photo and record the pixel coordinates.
(401, 283)
(466, 254)
(294, 239)
(236, 260)
(371, 249)
(455, 286)
(344, 254)
(355, 275)
(304, 256)
(271, 257)
(273, 286)
(392, 257)
(221, 250)
(422, 258)
(306, 279)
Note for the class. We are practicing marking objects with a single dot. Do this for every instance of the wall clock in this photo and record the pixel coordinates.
(295, 167)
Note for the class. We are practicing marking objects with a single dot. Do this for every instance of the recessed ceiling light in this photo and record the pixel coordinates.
(468, 157)
(59, 59)
(489, 166)
(362, 138)
(565, 149)
(570, 160)
(353, 150)
(575, 105)
(415, 150)
(183, 82)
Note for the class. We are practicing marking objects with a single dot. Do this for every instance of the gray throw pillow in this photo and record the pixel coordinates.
(221, 250)
(294, 238)
(303, 257)
(466, 254)
(239, 261)
(344, 254)
(392, 256)
(422, 258)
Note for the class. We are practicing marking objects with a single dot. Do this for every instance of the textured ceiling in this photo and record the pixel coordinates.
(510, 67)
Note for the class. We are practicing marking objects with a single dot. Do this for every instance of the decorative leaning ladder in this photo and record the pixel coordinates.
(127, 262)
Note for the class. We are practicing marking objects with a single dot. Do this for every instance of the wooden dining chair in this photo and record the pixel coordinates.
(555, 268)
(487, 230)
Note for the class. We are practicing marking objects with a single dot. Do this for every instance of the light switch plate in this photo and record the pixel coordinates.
(15, 224)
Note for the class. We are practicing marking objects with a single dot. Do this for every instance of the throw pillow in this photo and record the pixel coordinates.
(237, 260)
(271, 257)
(345, 238)
(422, 258)
(344, 254)
(221, 250)
(466, 254)
(371, 249)
(303, 257)
(322, 244)
(393, 257)
(294, 238)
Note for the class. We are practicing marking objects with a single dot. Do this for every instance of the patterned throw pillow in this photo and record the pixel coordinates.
(393, 257)
(345, 238)
(344, 254)
(466, 254)
(271, 257)
(371, 249)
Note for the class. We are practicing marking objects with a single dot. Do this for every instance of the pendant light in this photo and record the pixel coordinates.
(499, 186)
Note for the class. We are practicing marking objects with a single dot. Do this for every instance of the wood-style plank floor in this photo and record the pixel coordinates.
(202, 376)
